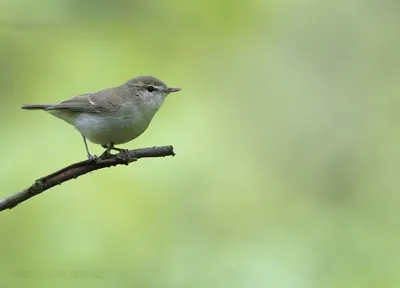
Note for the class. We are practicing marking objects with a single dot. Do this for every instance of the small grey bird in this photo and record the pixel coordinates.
(112, 116)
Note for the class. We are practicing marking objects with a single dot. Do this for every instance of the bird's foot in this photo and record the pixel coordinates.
(92, 158)
(125, 155)
(107, 152)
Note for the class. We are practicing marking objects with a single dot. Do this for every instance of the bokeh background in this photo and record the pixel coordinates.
(287, 171)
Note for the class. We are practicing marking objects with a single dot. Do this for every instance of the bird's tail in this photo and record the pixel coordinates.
(35, 107)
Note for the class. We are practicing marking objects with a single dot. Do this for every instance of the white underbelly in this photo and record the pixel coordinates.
(105, 129)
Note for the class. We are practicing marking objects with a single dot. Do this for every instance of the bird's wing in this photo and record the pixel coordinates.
(98, 102)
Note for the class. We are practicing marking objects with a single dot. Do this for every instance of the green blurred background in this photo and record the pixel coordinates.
(286, 134)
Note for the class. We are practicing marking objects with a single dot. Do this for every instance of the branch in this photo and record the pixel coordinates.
(80, 168)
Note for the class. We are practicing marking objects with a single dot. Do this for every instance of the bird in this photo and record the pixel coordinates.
(112, 116)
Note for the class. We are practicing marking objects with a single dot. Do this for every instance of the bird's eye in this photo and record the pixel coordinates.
(150, 88)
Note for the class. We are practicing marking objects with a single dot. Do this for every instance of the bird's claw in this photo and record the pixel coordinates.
(93, 158)
(125, 156)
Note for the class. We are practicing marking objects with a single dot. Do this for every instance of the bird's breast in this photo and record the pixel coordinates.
(117, 127)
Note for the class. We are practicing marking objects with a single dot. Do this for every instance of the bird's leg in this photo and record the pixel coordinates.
(110, 147)
(108, 150)
(127, 157)
(90, 156)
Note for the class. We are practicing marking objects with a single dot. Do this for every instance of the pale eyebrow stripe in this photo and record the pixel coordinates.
(156, 87)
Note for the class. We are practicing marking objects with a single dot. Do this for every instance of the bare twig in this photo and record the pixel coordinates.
(77, 169)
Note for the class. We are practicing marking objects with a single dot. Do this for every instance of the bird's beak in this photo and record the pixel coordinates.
(171, 90)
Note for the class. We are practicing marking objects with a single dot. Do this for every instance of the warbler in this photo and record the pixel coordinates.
(112, 116)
